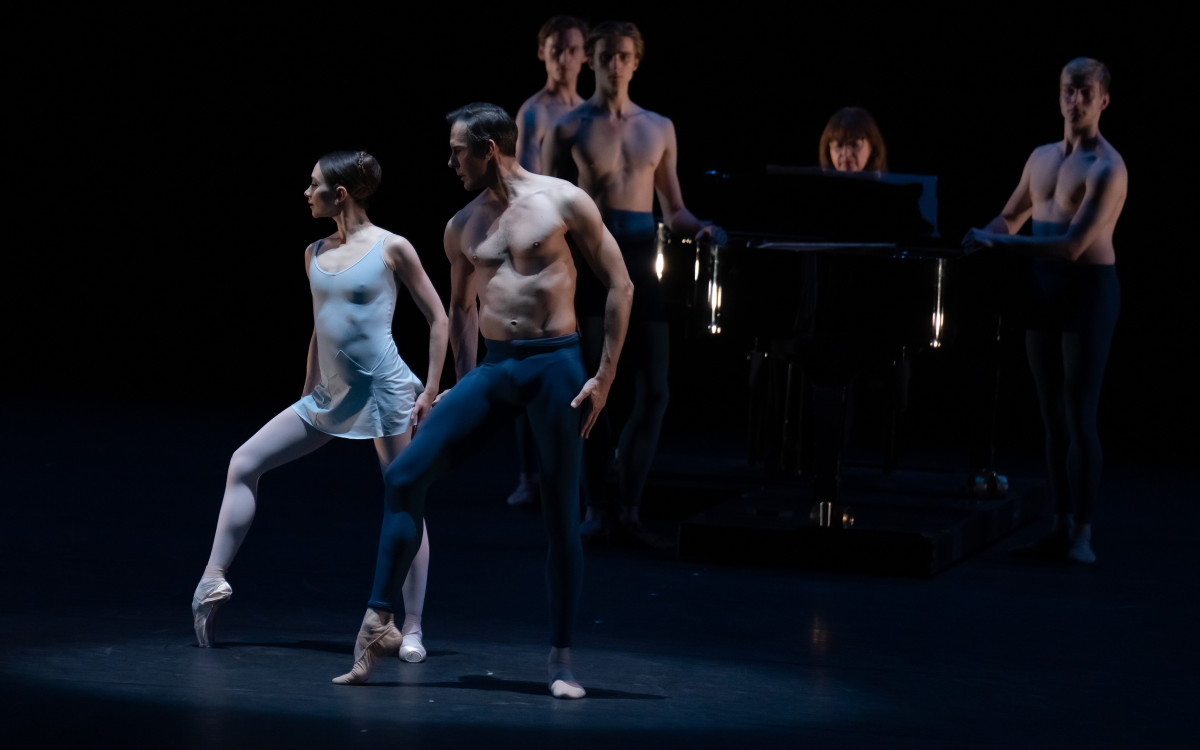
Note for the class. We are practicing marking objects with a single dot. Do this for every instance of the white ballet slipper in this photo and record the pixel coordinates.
(412, 650)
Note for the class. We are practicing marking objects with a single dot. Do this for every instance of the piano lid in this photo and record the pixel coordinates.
(813, 204)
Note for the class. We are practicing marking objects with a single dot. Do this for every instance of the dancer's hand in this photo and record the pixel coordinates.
(422, 407)
(595, 393)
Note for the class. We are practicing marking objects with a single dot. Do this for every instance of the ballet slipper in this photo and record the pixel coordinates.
(210, 595)
(562, 681)
(389, 638)
(376, 638)
(412, 649)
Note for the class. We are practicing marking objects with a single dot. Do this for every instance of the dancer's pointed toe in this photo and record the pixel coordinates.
(211, 594)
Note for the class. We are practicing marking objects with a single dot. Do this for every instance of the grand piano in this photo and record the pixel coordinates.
(826, 276)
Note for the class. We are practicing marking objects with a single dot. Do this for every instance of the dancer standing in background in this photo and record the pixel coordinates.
(1073, 190)
(624, 156)
(560, 48)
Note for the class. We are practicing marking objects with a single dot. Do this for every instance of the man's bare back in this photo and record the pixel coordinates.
(521, 262)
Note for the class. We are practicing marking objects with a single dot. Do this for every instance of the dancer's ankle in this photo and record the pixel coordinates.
(560, 677)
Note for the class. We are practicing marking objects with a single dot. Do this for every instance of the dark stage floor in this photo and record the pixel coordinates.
(109, 516)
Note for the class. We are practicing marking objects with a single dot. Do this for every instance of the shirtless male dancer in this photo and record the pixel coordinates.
(1074, 190)
(560, 48)
(623, 156)
(512, 279)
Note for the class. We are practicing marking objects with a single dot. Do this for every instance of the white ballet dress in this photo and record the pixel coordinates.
(366, 390)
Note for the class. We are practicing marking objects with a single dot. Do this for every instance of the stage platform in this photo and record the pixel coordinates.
(106, 541)
(909, 522)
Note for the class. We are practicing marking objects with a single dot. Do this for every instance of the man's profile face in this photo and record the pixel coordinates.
(614, 60)
(563, 55)
(1081, 99)
(470, 169)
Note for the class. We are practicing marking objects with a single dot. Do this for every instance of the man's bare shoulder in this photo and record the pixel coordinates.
(464, 214)
(531, 106)
(1053, 150)
(574, 117)
(1109, 159)
(555, 188)
(658, 119)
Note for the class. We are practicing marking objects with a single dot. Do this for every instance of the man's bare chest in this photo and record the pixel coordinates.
(520, 238)
(1061, 181)
(619, 144)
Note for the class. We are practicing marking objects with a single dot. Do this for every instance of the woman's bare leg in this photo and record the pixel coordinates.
(283, 439)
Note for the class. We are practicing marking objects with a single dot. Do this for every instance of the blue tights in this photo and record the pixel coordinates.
(537, 377)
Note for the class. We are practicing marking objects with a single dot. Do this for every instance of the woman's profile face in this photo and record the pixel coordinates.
(850, 155)
(320, 197)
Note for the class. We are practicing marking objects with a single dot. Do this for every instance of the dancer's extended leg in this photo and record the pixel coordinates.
(285, 438)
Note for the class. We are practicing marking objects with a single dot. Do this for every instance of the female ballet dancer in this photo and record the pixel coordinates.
(357, 386)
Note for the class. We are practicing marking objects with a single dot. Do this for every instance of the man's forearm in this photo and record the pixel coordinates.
(616, 324)
(1000, 225)
(464, 339)
(684, 223)
(1059, 246)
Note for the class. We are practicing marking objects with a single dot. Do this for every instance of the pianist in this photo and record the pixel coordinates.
(852, 142)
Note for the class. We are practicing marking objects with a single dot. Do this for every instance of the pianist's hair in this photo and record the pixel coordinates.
(1094, 70)
(615, 30)
(486, 122)
(852, 123)
(357, 171)
(559, 24)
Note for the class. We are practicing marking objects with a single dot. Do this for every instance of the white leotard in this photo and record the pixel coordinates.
(366, 389)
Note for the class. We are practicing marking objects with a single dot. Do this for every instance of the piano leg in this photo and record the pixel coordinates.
(775, 382)
(987, 481)
(901, 371)
(829, 418)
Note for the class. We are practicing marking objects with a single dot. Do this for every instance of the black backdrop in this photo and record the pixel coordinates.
(156, 214)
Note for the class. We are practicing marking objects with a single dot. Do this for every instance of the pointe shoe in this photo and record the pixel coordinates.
(376, 637)
(211, 594)
(412, 650)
